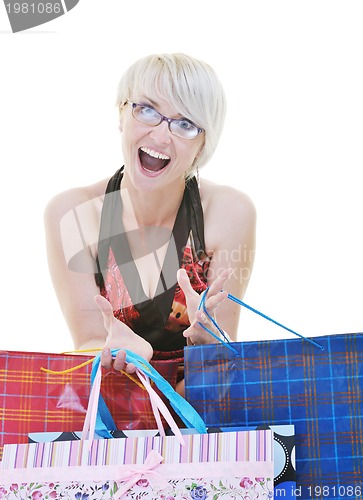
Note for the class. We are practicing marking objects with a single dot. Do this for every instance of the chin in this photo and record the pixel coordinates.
(145, 181)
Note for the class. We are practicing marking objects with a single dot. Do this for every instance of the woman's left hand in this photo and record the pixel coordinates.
(120, 336)
(195, 333)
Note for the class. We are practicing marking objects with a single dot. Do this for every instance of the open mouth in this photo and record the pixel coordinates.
(152, 161)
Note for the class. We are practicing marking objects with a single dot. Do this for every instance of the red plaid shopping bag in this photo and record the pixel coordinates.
(34, 401)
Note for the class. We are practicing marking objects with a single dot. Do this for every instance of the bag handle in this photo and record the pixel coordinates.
(104, 421)
(98, 417)
(158, 407)
(224, 340)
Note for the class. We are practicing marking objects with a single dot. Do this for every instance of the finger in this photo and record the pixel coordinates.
(220, 281)
(106, 358)
(130, 368)
(120, 361)
(213, 302)
(184, 282)
(103, 304)
(198, 335)
(188, 332)
(201, 317)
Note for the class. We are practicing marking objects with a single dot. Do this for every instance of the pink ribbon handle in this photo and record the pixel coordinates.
(136, 472)
(158, 406)
(90, 420)
(89, 425)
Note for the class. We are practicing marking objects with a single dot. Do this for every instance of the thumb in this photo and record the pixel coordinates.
(106, 310)
(184, 283)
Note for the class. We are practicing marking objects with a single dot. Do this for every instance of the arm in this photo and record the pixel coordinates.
(230, 222)
(71, 226)
(233, 220)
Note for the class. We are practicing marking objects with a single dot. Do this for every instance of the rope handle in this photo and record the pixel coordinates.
(104, 422)
(85, 363)
(224, 339)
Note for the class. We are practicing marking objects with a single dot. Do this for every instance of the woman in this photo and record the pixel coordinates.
(121, 241)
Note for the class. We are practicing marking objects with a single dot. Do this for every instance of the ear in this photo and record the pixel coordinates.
(200, 151)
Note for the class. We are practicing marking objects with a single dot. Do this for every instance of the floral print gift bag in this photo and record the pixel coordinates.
(206, 466)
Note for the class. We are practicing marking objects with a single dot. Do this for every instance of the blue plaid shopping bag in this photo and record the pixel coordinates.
(315, 384)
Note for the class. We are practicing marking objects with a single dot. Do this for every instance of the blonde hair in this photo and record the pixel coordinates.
(190, 85)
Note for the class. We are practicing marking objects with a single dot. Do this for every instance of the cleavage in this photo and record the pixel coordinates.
(149, 246)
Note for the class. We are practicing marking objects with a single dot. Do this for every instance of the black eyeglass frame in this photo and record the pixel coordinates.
(164, 118)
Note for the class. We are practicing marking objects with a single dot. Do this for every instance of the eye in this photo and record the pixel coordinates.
(186, 125)
(148, 112)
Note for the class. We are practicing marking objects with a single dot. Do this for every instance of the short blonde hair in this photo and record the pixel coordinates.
(190, 85)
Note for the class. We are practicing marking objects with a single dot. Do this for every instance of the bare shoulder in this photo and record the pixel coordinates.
(226, 206)
(89, 197)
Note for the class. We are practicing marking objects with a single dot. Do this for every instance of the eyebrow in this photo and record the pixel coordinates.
(156, 104)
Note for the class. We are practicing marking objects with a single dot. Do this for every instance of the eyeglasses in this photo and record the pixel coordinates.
(177, 126)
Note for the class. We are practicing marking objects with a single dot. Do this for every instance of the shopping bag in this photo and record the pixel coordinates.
(283, 450)
(99, 419)
(314, 383)
(231, 465)
(34, 401)
(318, 389)
(234, 464)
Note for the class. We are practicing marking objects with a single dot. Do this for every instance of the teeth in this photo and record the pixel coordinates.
(155, 154)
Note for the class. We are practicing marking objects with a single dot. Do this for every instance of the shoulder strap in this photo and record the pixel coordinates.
(197, 218)
(106, 224)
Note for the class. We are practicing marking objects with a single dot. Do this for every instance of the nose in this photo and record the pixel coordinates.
(161, 133)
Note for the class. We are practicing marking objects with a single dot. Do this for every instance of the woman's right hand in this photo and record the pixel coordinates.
(195, 333)
(120, 336)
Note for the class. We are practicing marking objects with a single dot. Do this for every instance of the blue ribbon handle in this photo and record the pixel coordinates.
(224, 340)
(104, 420)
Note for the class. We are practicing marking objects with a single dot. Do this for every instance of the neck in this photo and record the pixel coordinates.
(158, 207)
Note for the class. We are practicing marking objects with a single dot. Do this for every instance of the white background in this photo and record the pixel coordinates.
(292, 71)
